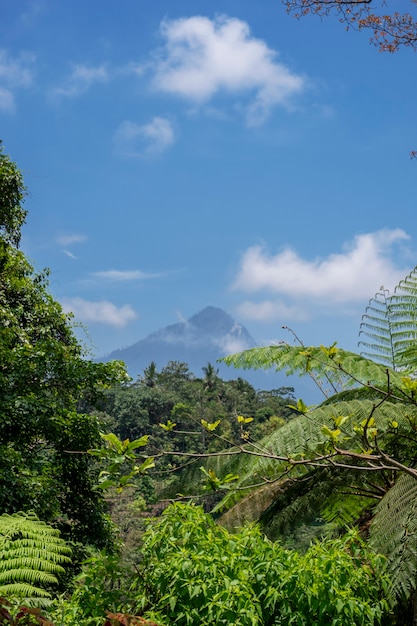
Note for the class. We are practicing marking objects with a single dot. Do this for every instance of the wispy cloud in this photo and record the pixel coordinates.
(134, 140)
(204, 57)
(123, 275)
(338, 280)
(102, 312)
(82, 77)
(69, 254)
(71, 238)
(15, 73)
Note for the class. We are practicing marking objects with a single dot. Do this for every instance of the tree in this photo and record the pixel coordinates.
(12, 193)
(390, 31)
(44, 380)
(210, 377)
(150, 374)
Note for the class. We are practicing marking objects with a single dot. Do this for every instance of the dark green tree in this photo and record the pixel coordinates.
(44, 380)
(12, 194)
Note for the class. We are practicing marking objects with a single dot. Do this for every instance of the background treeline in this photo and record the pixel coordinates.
(170, 406)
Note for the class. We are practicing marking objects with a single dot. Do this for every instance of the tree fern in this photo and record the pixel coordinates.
(371, 426)
(32, 555)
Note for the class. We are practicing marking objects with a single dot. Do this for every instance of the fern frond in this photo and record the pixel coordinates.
(303, 436)
(394, 533)
(343, 368)
(389, 326)
(32, 555)
(346, 509)
(23, 590)
(28, 574)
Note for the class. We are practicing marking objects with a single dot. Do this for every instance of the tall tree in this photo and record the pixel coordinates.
(44, 379)
(12, 193)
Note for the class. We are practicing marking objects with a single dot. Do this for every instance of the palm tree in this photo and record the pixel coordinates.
(150, 375)
(210, 377)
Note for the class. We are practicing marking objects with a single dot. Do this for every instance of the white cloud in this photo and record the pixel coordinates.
(133, 140)
(270, 310)
(15, 73)
(69, 239)
(230, 344)
(203, 57)
(81, 79)
(353, 275)
(103, 312)
(123, 276)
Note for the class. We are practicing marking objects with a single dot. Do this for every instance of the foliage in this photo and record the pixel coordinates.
(32, 555)
(389, 31)
(100, 587)
(179, 412)
(119, 454)
(195, 572)
(12, 193)
(11, 615)
(123, 619)
(394, 532)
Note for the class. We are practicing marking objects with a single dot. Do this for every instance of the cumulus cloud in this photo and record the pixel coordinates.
(123, 275)
(133, 140)
(15, 72)
(102, 312)
(351, 276)
(81, 79)
(204, 57)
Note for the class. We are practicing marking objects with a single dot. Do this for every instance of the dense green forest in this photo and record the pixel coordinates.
(185, 499)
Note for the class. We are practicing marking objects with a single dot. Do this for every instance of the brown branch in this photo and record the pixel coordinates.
(389, 32)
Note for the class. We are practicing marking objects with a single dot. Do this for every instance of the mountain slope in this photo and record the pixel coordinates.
(205, 337)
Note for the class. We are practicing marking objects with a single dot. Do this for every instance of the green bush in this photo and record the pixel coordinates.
(99, 588)
(195, 572)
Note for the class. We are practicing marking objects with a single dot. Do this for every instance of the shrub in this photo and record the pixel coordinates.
(195, 572)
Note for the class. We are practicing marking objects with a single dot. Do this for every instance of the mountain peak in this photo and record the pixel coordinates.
(213, 319)
(206, 336)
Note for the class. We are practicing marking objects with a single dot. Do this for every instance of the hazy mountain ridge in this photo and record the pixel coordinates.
(204, 337)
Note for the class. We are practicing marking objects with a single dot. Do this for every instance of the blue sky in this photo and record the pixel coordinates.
(193, 153)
